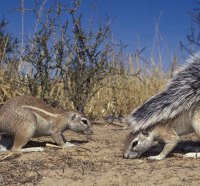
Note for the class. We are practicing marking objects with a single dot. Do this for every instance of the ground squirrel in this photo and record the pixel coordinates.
(167, 115)
(26, 117)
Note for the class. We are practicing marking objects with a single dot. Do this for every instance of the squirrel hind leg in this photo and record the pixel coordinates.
(19, 142)
(170, 138)
(21, 138)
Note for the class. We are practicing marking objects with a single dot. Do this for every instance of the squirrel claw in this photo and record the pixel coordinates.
(155, 158)
(67, 144)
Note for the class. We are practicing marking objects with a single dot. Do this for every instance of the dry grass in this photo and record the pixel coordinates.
(121, 93)
(7, 91)
(118, 95)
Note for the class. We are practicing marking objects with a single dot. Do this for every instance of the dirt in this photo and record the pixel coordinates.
(98, 162)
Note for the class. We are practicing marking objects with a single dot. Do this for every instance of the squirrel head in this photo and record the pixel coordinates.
(137, 143)
(79, 124)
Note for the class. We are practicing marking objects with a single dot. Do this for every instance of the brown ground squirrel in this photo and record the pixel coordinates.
(167, 115)
(26, 117)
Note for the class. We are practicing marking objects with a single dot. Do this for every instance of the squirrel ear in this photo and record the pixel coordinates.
(145, 132)
(73, 116)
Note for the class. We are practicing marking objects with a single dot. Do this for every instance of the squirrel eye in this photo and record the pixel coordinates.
(84, 121)
(134, 144)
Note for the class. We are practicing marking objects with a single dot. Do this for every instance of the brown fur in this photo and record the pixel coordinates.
(167, 132)
(25, 117)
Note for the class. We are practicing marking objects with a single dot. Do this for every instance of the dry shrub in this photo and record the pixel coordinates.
(118, 94)
(121, 93)
(83, 70)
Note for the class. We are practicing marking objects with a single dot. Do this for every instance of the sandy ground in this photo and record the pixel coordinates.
(98, 162)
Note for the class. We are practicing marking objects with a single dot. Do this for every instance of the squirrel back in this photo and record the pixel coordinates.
(181, 95)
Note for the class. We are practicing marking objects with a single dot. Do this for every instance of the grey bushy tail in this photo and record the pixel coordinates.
(181, 95)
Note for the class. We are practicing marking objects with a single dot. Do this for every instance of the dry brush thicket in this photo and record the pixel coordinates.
(80, 68)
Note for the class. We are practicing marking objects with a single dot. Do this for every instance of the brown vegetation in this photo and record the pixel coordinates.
(83, 70)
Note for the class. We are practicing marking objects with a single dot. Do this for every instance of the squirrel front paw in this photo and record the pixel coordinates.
(67, 144)
(155, 158)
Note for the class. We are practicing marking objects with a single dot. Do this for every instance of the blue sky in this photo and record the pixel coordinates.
(133, 21)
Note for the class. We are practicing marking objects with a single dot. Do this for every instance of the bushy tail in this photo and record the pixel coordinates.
(181, 95)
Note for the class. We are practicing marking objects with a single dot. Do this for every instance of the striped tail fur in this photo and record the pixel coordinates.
(181, 95)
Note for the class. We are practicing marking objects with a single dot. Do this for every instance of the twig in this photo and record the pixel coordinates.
(54, 146)
(11, 153)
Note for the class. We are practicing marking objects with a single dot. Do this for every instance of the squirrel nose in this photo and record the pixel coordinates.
(91, 132)
(125, 155)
